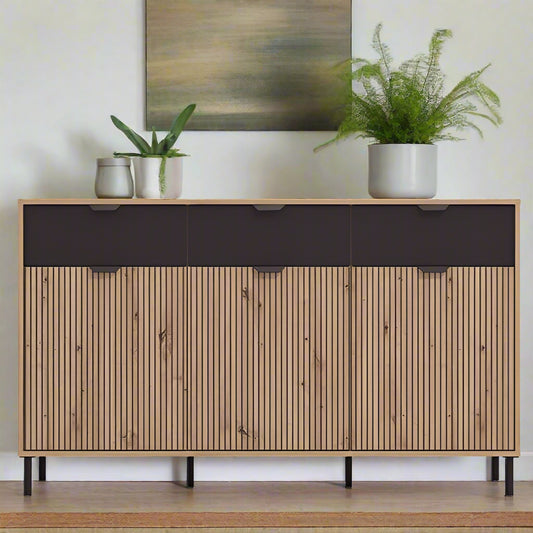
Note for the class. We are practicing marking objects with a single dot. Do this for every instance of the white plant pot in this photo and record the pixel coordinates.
(146, 171)
(402, 170)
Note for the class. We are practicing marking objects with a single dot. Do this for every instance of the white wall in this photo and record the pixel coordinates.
(66, 65)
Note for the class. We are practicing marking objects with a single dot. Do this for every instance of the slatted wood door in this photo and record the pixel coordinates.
(269, 356)
(104, 366)
(433, 363)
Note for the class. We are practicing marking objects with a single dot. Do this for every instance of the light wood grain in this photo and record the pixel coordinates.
(267, 201)
(287, 361)
(30, 426)
(238, 496)
(272, 521)
(290, 529)
(401, 287)
(464, 298)
(23, 335)
(266, 504)
(84, 379)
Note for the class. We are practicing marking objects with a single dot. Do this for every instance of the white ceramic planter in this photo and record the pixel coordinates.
(113, 178)
(402, 170)
(147, 177)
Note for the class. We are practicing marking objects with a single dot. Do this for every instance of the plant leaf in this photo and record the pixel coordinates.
(126, 154)
(154, 141)
(408, 104)
(134, 137)
(162, 176)
(382, 49)
(176, 128)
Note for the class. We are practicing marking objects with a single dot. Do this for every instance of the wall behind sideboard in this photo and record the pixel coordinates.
(66, 65)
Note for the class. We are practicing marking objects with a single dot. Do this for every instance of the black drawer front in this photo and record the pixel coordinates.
(76, 235)
(460, 235)
(241, 235)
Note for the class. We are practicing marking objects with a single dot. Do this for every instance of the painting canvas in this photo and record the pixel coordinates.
(247, 64)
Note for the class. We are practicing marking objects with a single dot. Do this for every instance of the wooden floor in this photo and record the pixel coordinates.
(267, 506)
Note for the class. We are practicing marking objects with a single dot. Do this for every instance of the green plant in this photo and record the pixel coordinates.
(163, 148)
(408, 105)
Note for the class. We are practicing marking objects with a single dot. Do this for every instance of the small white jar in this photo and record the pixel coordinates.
(113, 178)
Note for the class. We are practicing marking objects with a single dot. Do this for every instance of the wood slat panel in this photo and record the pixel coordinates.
(85, 383)
(268, 365)
(289, 347)
(453, 365)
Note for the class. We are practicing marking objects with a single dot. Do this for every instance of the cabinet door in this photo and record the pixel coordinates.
(269, 355)
(433, 364)
(103, 363)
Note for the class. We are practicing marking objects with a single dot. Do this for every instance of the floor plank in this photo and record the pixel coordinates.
(275, 530)
(264, 505)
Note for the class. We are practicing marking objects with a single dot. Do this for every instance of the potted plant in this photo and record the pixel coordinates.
(158, 166)
(405, 110)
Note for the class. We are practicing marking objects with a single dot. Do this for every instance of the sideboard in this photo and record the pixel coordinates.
(269, 327)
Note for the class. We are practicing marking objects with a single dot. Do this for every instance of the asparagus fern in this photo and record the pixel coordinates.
(408, 105)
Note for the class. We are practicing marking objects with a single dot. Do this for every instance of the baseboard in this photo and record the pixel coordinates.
(265, 468)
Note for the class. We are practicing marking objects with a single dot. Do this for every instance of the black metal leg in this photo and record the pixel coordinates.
(190, 471)
(495, 469)
(27, 475)
(348, 472)
(42, 468)
(509, 481)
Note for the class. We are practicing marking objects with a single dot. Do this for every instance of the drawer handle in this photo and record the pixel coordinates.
(104, 207)
(433, 207)
(269, 207)
(433, 269)
(100, 269)
(269, 269)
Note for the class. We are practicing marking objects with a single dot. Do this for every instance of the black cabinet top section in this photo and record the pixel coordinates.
(460, 235)
(267, 235)
(242, 235)
(77, 235)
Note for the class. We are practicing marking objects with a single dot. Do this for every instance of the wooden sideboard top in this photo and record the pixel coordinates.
(267, 201)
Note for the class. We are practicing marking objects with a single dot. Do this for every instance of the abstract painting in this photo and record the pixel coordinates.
(247, 64)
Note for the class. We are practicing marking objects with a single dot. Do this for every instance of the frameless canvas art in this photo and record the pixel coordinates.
(247, 64)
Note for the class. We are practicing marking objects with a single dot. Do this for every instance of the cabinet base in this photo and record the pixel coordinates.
(509, 478)
(190, 472)
(348, 472)
(42, 468)
(509, 473)
(495, 469)
(28, 475)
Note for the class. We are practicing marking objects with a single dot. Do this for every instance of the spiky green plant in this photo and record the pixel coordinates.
(163, 149)
(408, 105)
